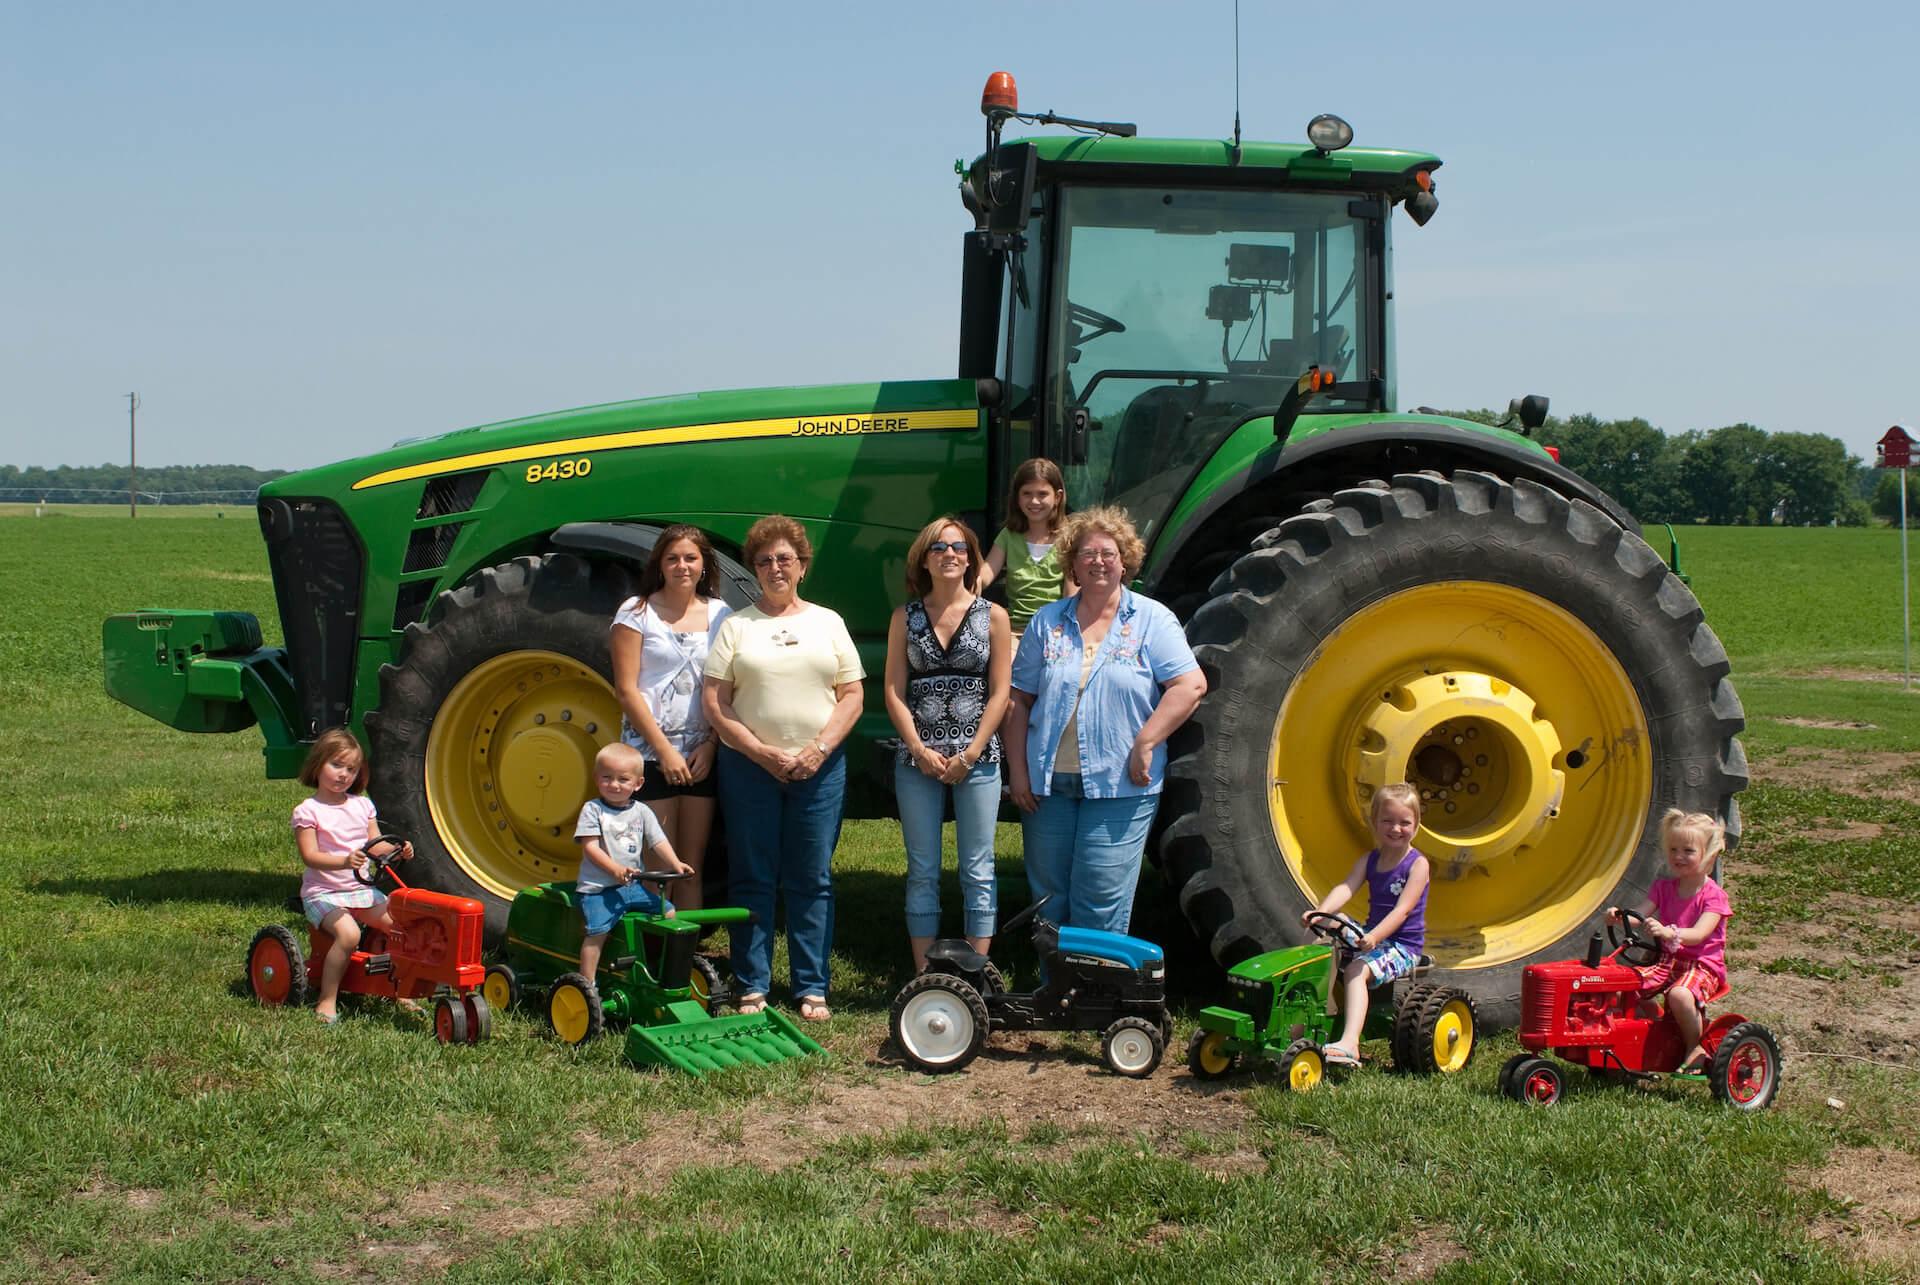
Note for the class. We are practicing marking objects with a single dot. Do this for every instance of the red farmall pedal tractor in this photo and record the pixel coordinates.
(432, 952)
(1587, 1013)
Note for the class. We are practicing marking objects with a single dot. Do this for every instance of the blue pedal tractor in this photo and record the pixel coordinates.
(1095, 981)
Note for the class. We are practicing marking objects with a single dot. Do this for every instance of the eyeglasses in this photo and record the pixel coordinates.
(945, 546)
(1098, 555)
(781, 560)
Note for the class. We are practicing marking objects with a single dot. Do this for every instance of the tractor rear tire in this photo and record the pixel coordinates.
(709, 990)
(1530, 665)
(482, 748)
(1446, 1031)
(939, 1022)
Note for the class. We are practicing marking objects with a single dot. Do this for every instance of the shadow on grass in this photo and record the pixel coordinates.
(229, 887)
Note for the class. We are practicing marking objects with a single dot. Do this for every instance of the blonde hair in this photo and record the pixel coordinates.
(327, 747)
(619, 756)
(1102, 519)
(1399, 792)
(919, 579)
(1036, 470)
(1708, 829)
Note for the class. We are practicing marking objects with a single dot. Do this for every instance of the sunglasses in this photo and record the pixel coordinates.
(944, 546)
(782, 560)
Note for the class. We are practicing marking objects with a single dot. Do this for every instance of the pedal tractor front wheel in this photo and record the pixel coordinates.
(1208, 1056)
(1132, 1047)
(1304, 1065)
(573, 1009)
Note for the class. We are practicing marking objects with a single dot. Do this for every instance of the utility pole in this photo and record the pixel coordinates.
(133, 465)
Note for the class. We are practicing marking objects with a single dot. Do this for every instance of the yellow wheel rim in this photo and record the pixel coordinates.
(1453, 1037)
(567, 1008)
(1523, 735)
(702, 990)
(1213, 1056)
(509, 762)
(1305, 1071)
(495, 991)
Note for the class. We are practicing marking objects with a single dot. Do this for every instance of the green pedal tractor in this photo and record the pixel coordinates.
(650, 979)
(1288, 1017)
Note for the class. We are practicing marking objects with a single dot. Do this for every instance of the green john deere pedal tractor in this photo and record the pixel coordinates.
(650, 978)
(1199, 330)
(1288, 1019)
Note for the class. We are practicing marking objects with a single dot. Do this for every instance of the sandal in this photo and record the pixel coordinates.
(1335, 1055)
(327, 1019)
(410, 1007)
(754, 1003)
(813, 1008)
(1695, 1065)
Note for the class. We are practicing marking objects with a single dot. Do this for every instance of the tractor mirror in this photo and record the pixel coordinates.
(1422, 206)
(1001, 186)
(1532, 410)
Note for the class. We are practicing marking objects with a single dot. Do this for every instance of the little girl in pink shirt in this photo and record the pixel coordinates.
(1687, 914)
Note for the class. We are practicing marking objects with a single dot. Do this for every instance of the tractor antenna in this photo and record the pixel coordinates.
(1236, 82)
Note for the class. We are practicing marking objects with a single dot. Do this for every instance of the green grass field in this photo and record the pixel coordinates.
(158, 1125)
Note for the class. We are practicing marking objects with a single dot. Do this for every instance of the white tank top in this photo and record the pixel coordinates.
(671, 666)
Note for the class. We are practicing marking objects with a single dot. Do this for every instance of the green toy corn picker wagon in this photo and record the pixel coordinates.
(1199, 330)
(651, 979)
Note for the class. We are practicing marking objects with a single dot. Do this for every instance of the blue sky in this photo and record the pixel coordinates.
(303, 232)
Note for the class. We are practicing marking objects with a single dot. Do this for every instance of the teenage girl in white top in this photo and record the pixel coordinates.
(659, 644)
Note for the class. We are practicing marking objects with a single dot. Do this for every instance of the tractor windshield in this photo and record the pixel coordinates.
(1177, 313)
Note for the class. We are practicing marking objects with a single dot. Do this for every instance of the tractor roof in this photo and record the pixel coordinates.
(1297, 160)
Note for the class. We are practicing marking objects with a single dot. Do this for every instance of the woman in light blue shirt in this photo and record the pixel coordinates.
(1100, 681)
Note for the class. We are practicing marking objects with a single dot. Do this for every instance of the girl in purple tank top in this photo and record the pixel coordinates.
(1396, 875)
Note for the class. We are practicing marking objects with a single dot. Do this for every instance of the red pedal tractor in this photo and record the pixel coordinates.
(1587, 1012)
(433, 952)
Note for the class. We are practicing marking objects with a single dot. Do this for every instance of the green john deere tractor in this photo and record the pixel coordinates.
(1199, 330)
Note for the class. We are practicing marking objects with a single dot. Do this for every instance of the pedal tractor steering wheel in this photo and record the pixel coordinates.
(1338, 928)
(1631, 941)
(379, 862)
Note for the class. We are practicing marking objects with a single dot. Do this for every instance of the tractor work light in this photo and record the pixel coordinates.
(1000, 95)
(1328, 133)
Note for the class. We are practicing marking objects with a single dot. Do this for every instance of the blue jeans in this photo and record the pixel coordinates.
(976, 806)
(780, 841)
(1085, 854)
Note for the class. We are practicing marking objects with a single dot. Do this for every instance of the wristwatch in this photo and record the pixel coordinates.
(821, 745)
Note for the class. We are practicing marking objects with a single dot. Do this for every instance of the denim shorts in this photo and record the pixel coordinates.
(1388, 962)
(602, 909)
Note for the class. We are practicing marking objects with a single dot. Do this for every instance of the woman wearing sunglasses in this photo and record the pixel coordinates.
(948, 655)
(1100, 681)
(782, 692)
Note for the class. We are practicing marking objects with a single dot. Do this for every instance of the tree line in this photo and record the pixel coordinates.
(107, 483)
(1737, 475)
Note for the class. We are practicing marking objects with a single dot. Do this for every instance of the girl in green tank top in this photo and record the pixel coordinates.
(1023, 553)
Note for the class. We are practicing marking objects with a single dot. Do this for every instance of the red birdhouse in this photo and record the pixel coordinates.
(1894, 449)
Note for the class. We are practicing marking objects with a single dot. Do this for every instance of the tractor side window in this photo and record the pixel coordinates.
(1178, 314)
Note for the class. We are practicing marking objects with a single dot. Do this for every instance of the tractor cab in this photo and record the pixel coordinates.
(1136, 301)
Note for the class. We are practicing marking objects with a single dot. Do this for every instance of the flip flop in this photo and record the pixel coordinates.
(327, 1019)
(410, 1006)
(1334, 1055)
(754, 1003)
(813, 1008)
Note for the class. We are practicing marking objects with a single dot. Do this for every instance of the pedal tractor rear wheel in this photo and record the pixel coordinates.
(705, 982)
(276, 970)
(1208, 1056)
(1132, 1047)
(939, 1021)
(1745, 1072)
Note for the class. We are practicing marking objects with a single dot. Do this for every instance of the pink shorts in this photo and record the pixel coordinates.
(1672, 973)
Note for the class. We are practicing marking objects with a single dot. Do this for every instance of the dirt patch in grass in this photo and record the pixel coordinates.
(1882, 1191)
(1864, 773)
(1848, 674)
(1854, 1015)
(1832, 724)
(986, 1216)
(1828, 830)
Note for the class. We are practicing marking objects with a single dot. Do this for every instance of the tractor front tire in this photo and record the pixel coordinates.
(483, 745)
(1208, 1056)
(1533, 668)
(276, 971)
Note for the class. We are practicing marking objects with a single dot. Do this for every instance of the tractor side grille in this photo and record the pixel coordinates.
(318, 566)
(411, 602)
(428, 547)
(454, 493)
(1542, 999)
